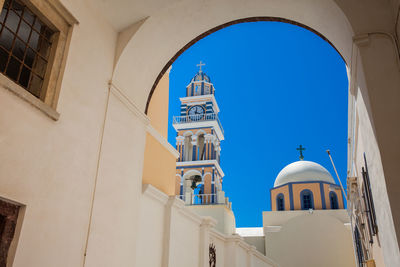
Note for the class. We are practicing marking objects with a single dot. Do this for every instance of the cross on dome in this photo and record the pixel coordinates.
(301, 148)
(200, 65)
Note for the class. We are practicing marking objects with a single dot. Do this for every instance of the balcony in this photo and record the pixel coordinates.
(200, 199)
(196, 119)
(205, 199)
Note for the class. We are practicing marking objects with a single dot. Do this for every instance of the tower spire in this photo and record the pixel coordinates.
(301, 148)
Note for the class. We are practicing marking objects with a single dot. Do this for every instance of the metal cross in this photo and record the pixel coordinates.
(301, 148)
(200, 65)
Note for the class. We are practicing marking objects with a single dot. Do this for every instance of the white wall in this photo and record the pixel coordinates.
(50, 166)
(172, 235)
(222, 214)
(303, 239)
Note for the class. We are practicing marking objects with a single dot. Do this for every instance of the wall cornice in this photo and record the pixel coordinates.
(154, 193)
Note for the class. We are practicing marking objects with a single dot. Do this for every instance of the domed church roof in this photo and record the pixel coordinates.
(303, 171)
(201, 76)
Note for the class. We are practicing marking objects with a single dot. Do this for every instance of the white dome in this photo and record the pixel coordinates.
(303, 171)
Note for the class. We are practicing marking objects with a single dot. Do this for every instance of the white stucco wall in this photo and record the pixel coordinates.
(224, 216)
(303, 239)
(50, 166)
(173, 235)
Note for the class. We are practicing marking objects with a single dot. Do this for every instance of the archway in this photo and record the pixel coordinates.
(148, 52)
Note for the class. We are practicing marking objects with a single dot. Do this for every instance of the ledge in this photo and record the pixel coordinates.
(161, 139)
(151, 191)
(16, 89)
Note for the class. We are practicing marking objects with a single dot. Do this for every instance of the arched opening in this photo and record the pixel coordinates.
(191, 91)
(188, 146)
(197, 145)
(307, 200)
(201, 144)
(336, 24)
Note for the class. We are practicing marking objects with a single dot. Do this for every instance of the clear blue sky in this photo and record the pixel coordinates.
(277, 86)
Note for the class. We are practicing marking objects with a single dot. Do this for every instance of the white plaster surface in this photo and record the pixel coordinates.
(319, 238)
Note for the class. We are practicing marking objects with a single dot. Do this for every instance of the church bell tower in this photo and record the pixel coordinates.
(199, 135)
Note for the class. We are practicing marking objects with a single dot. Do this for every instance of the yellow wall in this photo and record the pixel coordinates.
(338, 192)
(159, 162)
(177, 185)
(158, 108)
(285, 191)
(159, 166)
(314, 188)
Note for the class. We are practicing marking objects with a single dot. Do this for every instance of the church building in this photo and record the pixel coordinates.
(308, 220)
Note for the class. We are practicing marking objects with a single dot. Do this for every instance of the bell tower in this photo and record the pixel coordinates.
(199, 135)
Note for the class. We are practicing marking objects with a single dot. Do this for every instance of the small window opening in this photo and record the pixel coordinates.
(334, 200)
(280, 202)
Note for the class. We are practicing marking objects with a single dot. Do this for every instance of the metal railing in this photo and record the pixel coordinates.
(200, 199)
(197, 118)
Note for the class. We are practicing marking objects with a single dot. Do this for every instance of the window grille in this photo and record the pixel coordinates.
(368, 201)
(25, 44)
(359, 250)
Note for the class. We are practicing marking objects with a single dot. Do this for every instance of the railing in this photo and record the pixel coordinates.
(197, 118)
(200, 199)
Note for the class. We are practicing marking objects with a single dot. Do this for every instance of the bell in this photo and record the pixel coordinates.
(193, 185)
(195, 179)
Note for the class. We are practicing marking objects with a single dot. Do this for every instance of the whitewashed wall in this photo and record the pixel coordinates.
(171, 235)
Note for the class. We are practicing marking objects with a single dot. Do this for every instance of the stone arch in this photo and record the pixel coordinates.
(187, 182)
(152, 42)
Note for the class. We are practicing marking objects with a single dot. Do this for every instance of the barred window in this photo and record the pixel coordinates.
(369, 201)
(34, 43)
(25, 43)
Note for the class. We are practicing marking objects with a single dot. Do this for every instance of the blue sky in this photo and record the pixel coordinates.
(277, 86)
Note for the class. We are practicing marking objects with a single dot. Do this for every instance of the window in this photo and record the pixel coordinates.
(207, 90)
(25, 44)
(359, 248)
(33, 44)
(280, 202)
(8, 221)
(334, 200)
(307, 201)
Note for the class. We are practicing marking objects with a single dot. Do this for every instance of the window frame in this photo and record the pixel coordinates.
(61, 21)
(280, 196)
(336, 200)
(311, 198)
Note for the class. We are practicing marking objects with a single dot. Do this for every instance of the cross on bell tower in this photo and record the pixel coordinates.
(200, 65)
(301, 148)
